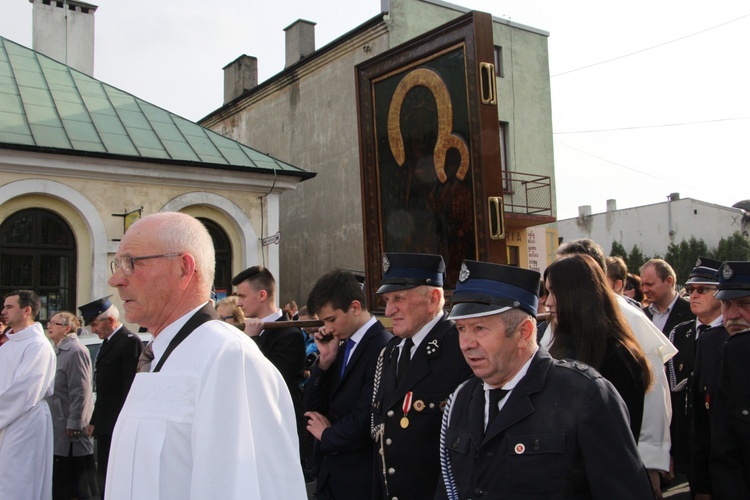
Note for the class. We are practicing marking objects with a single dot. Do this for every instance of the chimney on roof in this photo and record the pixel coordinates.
(584, 211)
(64, 30)
(674, 197)
(240, 76)
(611, 205)
(300, 40)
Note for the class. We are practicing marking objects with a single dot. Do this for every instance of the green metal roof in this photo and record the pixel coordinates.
(49, 106)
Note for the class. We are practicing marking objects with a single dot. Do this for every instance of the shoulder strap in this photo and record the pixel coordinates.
(375, 430)
(204, 314)
(445, 463)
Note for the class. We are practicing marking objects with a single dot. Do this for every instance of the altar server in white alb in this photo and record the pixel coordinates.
(211, 418)
(27, 376)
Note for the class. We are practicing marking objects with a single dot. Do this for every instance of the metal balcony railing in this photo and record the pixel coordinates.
(527, 193)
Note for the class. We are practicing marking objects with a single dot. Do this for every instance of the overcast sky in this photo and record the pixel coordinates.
(673, 115)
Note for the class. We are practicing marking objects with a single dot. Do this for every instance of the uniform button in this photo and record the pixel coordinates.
(745, 412)
(390, 413)
(432, 406)
(394, 498)
(388, 441)
(391, 471)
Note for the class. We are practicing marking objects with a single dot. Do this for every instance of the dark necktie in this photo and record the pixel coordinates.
(347, 352)
(496, 395)
(101, 348)
(701, 328)
(403, 361)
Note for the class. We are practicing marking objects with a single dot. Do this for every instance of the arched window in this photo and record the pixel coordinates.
(38, 252)
(223, 249)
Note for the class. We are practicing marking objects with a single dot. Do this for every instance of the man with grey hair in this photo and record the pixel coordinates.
(114, 369)
(654, 440)
(528, 426)
(210, 416)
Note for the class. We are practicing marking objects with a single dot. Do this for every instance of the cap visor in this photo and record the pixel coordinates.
(731, 294)
(466, 310)
(701, 281)
(394, 288)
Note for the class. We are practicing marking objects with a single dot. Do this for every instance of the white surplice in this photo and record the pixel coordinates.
(27, 374)
(654, 441)
(216, 422)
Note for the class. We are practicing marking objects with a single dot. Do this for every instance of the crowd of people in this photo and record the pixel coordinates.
(622, 385)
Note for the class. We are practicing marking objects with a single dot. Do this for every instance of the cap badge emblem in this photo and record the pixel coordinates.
(727, 272)
(386, 264)
(463, 275)
(698, 262)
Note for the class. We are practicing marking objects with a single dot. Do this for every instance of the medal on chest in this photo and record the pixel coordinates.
(406, 407)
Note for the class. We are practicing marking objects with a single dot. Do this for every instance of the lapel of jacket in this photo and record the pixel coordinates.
(105, 348)
(476, 414)
(419, 367)
(519, 405)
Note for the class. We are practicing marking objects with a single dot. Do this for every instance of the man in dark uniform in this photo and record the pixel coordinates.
(700, 286)
(730, 428)
(338, 395)
(115, 366)
(418, 370)
(708, 351)
(529, 426)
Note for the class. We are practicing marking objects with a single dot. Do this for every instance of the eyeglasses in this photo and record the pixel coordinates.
(127, 263)
(700, 289)
(224, 318)
(58, 324)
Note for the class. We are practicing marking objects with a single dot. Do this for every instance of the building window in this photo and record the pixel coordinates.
(514, 256)
(38, 252)
(507, 184)
(499, 62)
(223, 250)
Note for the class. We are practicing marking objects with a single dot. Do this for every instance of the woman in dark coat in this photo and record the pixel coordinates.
(589, 327)
(74, 470)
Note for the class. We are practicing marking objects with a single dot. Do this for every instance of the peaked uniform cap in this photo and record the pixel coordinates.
(704, 272)
(90, 311)
(484, 289)
(402, 271)
(734, 280)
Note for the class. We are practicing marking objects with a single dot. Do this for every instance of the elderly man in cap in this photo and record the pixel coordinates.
(115, 366)
(704, 379)
(700, 286)
(730, 427)
(529, 426)
(416, 372)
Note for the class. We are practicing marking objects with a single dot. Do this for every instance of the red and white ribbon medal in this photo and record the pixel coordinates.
(406, 406)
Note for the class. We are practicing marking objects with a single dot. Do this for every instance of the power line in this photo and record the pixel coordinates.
(649, 48)
(652, 126)
(671, 180)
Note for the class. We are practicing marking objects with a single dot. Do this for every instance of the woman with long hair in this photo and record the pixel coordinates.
(589, 327)
(71, 405)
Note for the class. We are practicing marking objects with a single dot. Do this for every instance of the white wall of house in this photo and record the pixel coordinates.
(654, 227)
